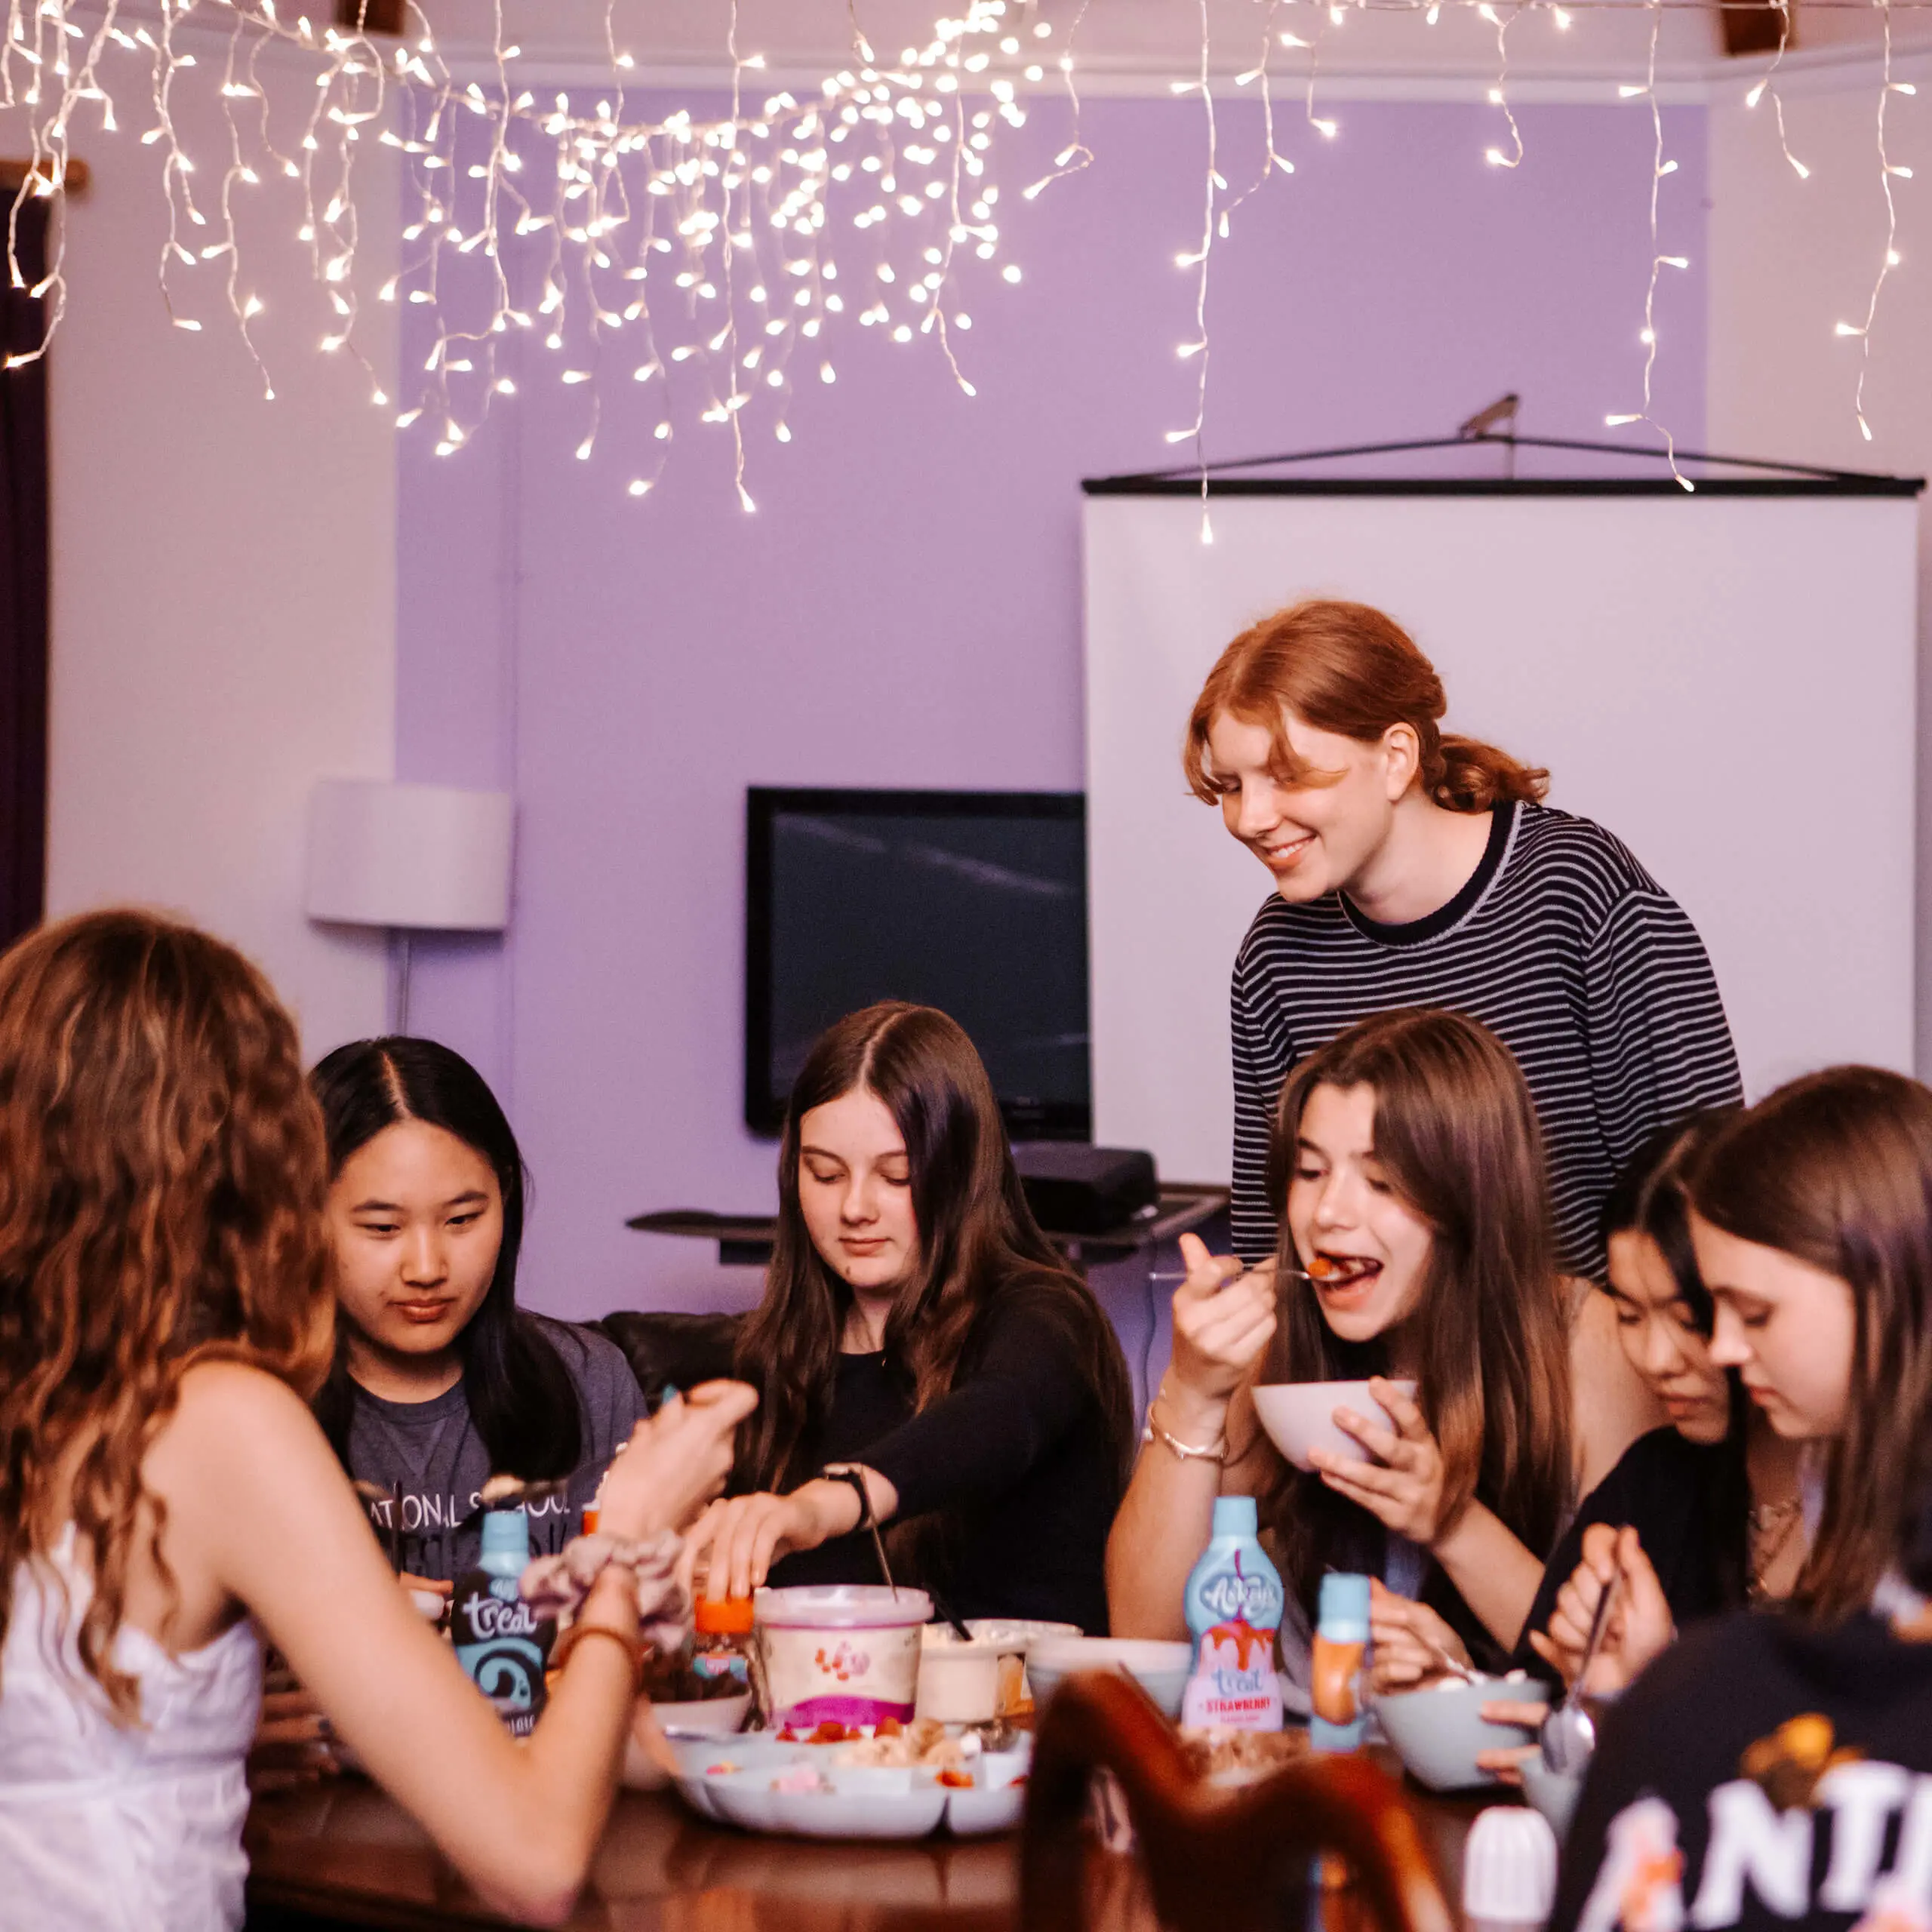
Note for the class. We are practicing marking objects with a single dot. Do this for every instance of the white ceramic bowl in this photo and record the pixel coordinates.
(1437, 1733)
(1553, 1793)
(1160, 1668)
(843, 1653)
(1300, 1415)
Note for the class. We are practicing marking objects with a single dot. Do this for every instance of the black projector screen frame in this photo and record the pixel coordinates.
(973, 902)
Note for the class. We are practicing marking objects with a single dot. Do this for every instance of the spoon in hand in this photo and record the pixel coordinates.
(1569, 1733)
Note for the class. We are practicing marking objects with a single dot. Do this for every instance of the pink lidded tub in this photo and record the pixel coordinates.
(841, 1653)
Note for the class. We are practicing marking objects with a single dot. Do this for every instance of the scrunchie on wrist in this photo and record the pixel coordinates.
(557, 1585)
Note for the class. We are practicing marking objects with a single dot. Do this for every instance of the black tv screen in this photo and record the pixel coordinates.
(973, 901)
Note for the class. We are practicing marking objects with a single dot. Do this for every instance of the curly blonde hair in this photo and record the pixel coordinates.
(161, 1179)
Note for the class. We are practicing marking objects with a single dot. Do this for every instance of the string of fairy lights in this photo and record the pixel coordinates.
(714, 261)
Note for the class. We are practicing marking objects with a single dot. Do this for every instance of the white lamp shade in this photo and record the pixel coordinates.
(426, 856)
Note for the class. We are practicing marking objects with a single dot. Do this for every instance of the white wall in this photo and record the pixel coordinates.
(224, 569)
(1789, 259)
(1654, 651)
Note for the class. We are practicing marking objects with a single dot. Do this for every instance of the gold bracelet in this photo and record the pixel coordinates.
(635, 1648)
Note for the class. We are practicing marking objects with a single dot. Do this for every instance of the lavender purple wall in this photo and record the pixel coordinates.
(904, 607)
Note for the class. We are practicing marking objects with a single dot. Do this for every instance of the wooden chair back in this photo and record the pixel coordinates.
(1217, 1859)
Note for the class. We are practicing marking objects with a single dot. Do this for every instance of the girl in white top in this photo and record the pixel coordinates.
(164, 1311)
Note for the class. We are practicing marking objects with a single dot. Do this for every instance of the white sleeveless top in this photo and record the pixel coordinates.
(108, 1828)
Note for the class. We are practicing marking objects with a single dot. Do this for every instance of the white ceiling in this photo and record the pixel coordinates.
(1133, 45)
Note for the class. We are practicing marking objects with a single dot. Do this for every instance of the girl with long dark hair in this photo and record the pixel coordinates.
(920, 1339)
(1804, 1732)
(1714, 1500)
(439, 1379)
(1409, 1166)
(1811, 1215)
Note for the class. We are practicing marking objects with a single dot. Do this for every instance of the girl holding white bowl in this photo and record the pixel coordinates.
(1408, 1161)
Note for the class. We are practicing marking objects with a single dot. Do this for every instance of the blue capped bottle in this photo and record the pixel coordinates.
(1336, 1721)
(1233, 1607)
(501, 1643)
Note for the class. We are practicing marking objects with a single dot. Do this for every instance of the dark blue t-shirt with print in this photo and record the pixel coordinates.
(432, 1452)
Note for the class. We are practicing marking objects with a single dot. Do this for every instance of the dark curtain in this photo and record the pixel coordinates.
(23, 575)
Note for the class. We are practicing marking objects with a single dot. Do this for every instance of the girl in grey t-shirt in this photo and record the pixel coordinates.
(440, 1380)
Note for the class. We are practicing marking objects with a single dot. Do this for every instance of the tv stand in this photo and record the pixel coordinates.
(744, 1241)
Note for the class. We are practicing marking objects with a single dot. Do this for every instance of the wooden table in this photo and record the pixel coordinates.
(346, 1851)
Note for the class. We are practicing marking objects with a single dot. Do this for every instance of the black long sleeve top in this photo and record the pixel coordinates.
(1661, 1488)
(1017, 1454)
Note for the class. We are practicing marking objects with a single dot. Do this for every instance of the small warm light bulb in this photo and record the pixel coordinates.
(640, 487)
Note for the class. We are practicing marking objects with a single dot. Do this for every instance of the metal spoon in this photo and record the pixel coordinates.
(1281, 1274)
(1569, 1733)
(1450, 1664)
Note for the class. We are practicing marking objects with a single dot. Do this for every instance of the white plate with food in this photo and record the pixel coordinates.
(801, 1801)
(889, 1784)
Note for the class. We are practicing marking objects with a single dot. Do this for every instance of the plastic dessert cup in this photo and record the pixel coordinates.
(958, 1682)
(1300, 1416)
(1016, 1636)
(843, 1654)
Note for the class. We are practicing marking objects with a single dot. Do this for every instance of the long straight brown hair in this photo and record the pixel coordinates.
(1456, 1136)
(1351, 670)
(1835, 1169)
(978, 1243)
(161, 1176)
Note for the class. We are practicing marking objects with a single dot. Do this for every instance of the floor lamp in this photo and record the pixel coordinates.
(410, 859)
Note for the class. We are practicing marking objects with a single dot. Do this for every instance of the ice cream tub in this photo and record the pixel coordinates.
(841, 1653)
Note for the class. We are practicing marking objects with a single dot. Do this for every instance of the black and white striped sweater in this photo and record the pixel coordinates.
(1562, 944)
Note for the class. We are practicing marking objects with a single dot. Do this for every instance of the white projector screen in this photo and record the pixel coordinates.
(1726, 681)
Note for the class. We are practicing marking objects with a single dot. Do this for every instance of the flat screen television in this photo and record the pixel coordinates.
(973, 901)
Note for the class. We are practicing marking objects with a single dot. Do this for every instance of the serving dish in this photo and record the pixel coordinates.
(761, 1782)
